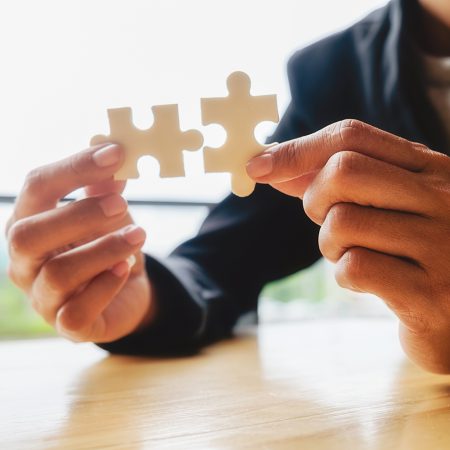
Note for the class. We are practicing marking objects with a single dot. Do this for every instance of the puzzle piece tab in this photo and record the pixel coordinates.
(238, 113)
(163, 140)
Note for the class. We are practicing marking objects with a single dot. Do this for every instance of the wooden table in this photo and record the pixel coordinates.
(305, 385)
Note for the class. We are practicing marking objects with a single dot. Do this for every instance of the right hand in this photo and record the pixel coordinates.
(80, 263)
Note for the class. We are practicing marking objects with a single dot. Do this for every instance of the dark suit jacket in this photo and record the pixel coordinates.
(369, 72)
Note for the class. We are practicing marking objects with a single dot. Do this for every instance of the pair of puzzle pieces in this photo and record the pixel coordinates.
(238, 113)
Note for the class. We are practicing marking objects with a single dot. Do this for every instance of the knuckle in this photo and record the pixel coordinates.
(20, 275)
(329, 133)
(36, 304)
(12, 274)
(340, 219)
(426, 159)
(9, 223)
(79, 162)
(326, 243)
(442, 160)
(345, 162)
(18, 236)
(39, 304)
(52, 274)
(350, 272)
(341, 167)
(334, 233)
(310, 206)
(350, 132)
(288, 156)
(34, 181)
(71, 322)
(421, 148)
(416, 322)
(438, 189)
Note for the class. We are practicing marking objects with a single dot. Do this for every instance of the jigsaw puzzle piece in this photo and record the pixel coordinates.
(241, 184)
(170, 141)
(239, 113)
(164, 140)
(219, 162)
(131, 139)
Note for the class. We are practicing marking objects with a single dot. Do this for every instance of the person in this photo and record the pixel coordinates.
(374, 185)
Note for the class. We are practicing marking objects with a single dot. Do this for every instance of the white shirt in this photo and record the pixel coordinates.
(437, 77)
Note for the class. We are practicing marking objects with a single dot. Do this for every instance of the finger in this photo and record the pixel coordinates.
(394, 280)
(48, 184)
(297, 186)
(349, 177)
(105, 187)
(395, 233)
(77, 317)
(30, 238)
(68, 272)
(294, 158)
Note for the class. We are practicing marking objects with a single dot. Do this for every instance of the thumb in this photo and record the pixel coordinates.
(286, 161)
(297, 157)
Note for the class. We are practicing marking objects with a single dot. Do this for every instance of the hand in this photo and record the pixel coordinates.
(383, 204)
(80, 263)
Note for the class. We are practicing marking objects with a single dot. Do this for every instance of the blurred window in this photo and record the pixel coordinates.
(65, 63)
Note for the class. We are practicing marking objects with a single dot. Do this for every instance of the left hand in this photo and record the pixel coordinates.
(75, 261)
(383, 204)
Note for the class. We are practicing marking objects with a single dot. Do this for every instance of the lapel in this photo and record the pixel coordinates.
(405, 101)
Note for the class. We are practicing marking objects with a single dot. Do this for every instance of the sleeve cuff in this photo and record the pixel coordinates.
(179, 322)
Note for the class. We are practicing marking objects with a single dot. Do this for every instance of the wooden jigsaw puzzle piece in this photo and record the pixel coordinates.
(239, 113)
(131, 139)
(163, 140)
(241, 184)
(219, 161)
(170, 141)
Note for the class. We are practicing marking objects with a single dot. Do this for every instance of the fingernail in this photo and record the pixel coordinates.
(107, 156)
(133, 234)
(131, 261)
(113, 204)
(260, 166)
(120, 269)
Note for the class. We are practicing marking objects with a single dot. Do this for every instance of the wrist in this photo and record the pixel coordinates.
(150, 313)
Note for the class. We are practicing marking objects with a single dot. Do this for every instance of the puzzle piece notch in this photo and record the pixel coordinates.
(239, 113)
(164, 140)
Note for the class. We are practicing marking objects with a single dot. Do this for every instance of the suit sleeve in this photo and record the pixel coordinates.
(208, 282)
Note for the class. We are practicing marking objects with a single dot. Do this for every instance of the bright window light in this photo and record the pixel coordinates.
(65, 62)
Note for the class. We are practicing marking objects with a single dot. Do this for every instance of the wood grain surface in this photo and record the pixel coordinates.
(303, 385)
